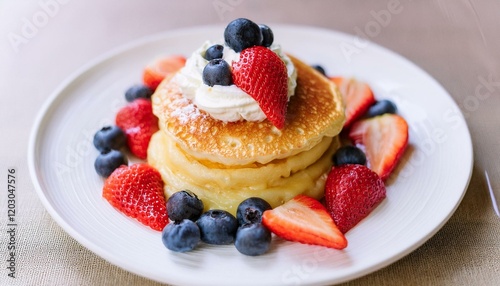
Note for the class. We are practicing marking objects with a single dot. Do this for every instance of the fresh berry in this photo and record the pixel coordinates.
(241, 34)
(381, 107)
(253, 239)
(139, 123)
(184, 205)
(349, 155)
(110, 137)
(351, 193)
(267, 35)
(320, 69)
(217, 227)
(137, 191)
(108, 161)
(181, 236)
(357, 96)
(138, 91)
(263, 75)
(384, 139)
(250, 210)
(155, 72)
(217, 72)
(214, 52)
(305, 220)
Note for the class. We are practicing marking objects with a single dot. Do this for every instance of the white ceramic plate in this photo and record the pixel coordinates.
(422, 194)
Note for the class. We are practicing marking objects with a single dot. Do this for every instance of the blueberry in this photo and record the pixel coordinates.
(253, 239)
(184, 205)
(138, 91)
(108, 161)
(110, 137)
(320, 69)
(214, 52)
(381, 107)
(217, 227)
(241, 34)
(217, 72)
(267, 35)
(181, 236)
(349, 155)
(251, 210)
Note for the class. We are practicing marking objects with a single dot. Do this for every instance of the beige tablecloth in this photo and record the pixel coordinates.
(456, 42)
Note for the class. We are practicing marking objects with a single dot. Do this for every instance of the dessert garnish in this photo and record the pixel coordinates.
(384, 139)
(352, 192)
(357, 95)
(305, 220)
(139, 123)
(137, 191)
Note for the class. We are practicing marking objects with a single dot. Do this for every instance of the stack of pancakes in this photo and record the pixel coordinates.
(227, 162)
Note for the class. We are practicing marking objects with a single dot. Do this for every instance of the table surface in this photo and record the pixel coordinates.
(456, 42)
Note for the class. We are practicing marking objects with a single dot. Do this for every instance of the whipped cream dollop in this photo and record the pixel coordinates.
(226, 103)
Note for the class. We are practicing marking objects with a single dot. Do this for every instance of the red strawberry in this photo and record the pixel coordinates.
(305, 220)
(139, 123)
(384, 139)
(351, 193)
(137, 191)
(263, 75)
(357, 95)
(155, 72)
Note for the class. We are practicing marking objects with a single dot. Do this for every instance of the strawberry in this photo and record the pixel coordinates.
(352, 192)
(137, 191)
(305, 220)
(139, 123)
(263, 75)
(384, 139)
(357, 96)
(155, 72)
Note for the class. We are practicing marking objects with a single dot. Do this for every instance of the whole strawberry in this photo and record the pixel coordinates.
(352, 192)
(137, 191)
(263, 75)
(139, 123)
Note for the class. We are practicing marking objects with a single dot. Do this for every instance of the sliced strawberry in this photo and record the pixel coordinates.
(263, 75)
(155, 72)
(357, 95)
(305, 220)
(384, 139)
(139, 123)
(137, 191)
(351, 193)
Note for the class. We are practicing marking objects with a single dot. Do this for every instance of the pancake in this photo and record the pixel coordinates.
(315, 111)
(222, 187)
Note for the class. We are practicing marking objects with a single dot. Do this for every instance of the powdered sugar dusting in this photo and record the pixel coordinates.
(185, 110)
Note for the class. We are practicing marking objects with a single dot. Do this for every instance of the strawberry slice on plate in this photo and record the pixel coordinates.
(139, 123)
(263, 75)
(384, 139)
(357, 96)
(304, 219)
(155, 72)
(352, 192)
(137, 191)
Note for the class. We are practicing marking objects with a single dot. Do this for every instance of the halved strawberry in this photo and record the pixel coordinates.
(137, 191)
(305, 220)
(263, 75)
(384, 139)
(352, 192)
(139, 123)
(155, 72)
(357, 95)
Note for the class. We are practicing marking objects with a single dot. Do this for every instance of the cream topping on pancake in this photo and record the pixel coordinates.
(225, 103)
